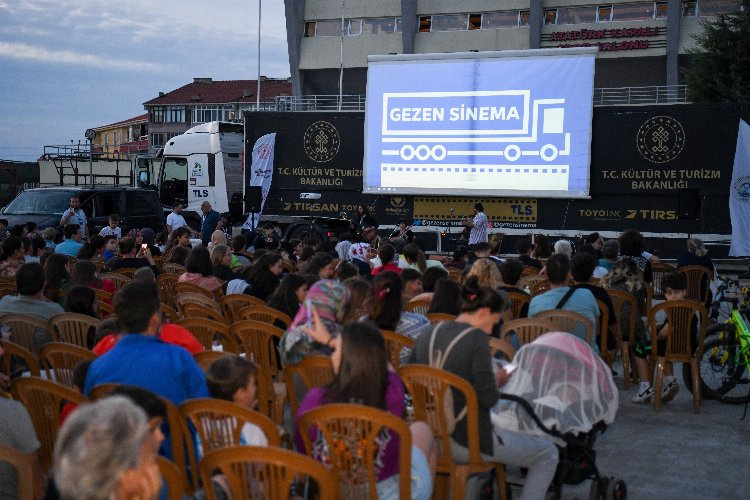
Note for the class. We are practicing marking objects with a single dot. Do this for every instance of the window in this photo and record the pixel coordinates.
(449, 22)
(328, 28)
(550, 16)
(494, 20)
(633, 11)
(576, 15)
(475, 21)
(378, 26)
(425, 24)
(157, 114)
(105, 204)
(716, 7)
(398, 25)
(353, 27)
(604, 14)
(157, 140)
(524, 18)
(117, 138)
(174, 114)
(661, 10)
(310, 29)
(688, 8)
(202, 114)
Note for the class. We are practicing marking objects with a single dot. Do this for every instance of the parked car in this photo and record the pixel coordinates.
(137, 208)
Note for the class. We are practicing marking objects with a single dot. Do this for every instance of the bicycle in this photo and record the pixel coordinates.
(725, 365)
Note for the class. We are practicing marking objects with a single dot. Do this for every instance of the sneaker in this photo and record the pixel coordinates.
(669, 392)
(644, 397)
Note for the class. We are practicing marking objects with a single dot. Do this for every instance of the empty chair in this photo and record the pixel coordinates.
(59, 359)
(74, 328)
(44, 400)
(18, 359)
(166, 283)
(195, 298)
(194, 310)
(266, 472)
(192, 287)
(232, 304)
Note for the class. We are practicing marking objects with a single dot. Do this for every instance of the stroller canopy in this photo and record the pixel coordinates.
(565, 381)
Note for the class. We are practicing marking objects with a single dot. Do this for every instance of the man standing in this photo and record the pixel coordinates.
(175, 220)
(72, 244)
(76, 215)
(477, 224)
(210, 222)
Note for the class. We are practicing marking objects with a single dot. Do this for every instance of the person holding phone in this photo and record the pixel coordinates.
(132, 256)
(75, 215)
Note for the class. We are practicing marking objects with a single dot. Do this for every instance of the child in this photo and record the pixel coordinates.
(232, 378)
(110, 247)
(112, 229)
(675, 288)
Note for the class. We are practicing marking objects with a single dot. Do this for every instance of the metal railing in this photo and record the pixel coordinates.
(657, 94)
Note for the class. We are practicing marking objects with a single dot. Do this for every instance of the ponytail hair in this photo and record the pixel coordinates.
(385, 306)
(413, 254)
(475, 297)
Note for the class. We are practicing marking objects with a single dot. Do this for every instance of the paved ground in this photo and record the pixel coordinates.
(675, 453)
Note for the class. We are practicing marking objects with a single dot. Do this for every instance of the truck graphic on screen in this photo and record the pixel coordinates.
(478, 128)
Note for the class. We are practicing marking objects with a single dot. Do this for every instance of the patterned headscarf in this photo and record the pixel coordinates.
(359, 251)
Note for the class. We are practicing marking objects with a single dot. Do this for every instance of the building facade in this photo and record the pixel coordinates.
(205, 100)
(122, 139)
(641, 43)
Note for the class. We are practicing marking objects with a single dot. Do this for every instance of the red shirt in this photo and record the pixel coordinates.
(170, 333)
(389, 266)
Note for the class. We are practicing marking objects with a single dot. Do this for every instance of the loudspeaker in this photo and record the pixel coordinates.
(235, 210)
(253, 198)
(688, 204)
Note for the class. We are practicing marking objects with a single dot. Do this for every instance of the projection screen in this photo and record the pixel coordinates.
(509, 123)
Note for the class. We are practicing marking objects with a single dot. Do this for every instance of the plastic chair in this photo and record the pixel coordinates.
(418, 306)
(219, 423)
(193, 310)
(166, 282)
(232, 304)
(44, 400)
(173, 478)
(352, 433)
(530, 279)
(195, 298)
(517, 302)
(266, 472)
(265, 314)
(526, 329)
(503, 347)
(59, 359)
(566, 321)
(28, 331)
(313, 371)
(626, 320)
(428, 388)
(128, 272)
(395, 343)
(438, 317)
(540, 287)
(119, 280)
(174, 268)
(24, 470)
(74, 328)
(10, 365)
(530, 271)
(183, 448)
(101, 390)
(205, 358)
(169, 313)
(192, 287)
(158, 262)
(206, 330)
(679, 347)
(604, 332)
(454, 275)
(698, 279)
(658, 270)
(7, 290)
(105, 310)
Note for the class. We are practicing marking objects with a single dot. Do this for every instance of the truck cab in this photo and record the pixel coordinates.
(203, 164)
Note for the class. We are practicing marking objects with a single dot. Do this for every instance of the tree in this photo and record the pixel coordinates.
(720, 67)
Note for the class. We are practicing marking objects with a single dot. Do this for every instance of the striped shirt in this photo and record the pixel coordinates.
(479, 231)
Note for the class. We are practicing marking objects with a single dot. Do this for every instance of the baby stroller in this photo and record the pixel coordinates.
(563, 389)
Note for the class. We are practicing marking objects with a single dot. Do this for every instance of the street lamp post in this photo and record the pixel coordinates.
(90, 134)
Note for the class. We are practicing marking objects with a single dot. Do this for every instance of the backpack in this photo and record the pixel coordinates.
(437, 360)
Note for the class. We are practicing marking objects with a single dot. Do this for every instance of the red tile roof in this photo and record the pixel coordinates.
(135, 119)
(207, 91)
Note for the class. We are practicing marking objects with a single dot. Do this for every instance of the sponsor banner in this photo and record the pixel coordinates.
(433, 211)
(315, 152)
(261, 172)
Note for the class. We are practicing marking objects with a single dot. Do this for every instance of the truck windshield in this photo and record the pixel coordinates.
(174, 181)
(39, 202)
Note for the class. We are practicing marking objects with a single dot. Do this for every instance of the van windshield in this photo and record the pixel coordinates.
(39, 202)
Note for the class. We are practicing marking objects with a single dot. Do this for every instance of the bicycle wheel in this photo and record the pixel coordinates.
(722, 369)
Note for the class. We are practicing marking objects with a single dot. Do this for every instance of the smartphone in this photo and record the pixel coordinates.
(144, 247)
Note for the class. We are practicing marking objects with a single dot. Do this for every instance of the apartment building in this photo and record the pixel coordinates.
(641, 43)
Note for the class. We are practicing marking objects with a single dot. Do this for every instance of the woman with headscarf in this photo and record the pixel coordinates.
(329, 298)
(359, 255)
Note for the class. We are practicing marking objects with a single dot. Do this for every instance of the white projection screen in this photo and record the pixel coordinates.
(509, 123)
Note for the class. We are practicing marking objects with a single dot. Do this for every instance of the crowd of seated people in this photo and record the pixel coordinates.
(338, 309)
